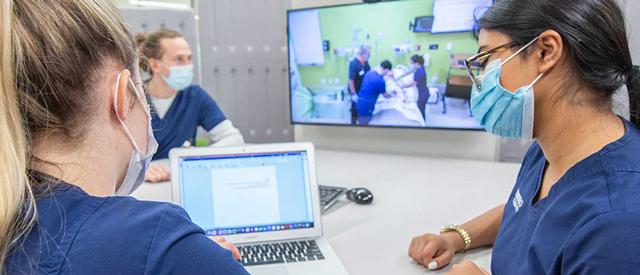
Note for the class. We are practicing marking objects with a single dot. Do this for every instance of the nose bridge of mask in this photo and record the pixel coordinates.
(487, 77)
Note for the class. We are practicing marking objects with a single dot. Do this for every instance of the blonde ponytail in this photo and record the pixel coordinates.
(53, 54)
(17, 209)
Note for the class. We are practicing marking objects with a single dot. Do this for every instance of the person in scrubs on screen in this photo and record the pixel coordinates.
(373, 85)
(420, 82)
(358, 68)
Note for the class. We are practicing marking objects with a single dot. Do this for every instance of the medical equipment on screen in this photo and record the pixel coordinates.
(402, 49)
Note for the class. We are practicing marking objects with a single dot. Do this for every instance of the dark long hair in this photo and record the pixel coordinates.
(593, 32)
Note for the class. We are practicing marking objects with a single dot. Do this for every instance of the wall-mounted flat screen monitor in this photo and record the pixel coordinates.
(377, 71)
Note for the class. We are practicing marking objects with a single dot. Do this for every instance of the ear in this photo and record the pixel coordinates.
(154, 65)
(120, 95)
(550, 50)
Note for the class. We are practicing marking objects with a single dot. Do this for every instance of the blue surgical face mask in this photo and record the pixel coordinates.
(180, 77)
(499, 111)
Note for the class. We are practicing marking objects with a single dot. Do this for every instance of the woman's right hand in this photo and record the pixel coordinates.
(157, 172)
(435, 251)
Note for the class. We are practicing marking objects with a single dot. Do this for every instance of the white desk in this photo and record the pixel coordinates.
(412, 196)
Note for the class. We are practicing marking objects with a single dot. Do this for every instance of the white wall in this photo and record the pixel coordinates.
(434, 143)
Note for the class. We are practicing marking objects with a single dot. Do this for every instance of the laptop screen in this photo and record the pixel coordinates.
(248, 193)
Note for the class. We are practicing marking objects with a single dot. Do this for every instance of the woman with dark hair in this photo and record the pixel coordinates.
(420, 81)
(575, 207)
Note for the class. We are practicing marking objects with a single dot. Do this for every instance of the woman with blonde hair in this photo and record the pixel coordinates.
(76, 134)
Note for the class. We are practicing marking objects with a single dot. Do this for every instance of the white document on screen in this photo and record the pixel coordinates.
(245, 196)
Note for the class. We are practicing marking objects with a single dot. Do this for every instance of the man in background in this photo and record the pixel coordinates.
(358, 67)
(373, 85)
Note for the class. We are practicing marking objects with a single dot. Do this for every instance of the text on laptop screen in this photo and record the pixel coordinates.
(237, 194)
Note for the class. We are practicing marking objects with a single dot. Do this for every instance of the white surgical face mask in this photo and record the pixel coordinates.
(139, 161)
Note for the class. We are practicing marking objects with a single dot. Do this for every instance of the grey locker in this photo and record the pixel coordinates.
(244, 64)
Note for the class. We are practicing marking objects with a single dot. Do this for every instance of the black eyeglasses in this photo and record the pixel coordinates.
(479, 61)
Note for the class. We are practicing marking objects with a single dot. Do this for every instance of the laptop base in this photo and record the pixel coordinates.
(330, 265)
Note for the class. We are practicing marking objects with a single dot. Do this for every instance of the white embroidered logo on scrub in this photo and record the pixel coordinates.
(517, 201)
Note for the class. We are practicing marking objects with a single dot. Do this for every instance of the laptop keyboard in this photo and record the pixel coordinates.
(329, 193)
(276, 253)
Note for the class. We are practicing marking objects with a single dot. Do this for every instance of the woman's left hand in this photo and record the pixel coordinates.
(467, 268)
(227, 245)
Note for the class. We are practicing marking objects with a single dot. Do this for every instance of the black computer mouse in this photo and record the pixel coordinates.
(360, 195)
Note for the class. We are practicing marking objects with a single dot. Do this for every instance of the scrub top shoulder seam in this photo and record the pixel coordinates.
(614, 146)
(595, 218)
(612, 209)
(80, 226)
(153, 239)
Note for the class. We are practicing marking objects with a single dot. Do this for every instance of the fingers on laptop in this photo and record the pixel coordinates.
(157, 173)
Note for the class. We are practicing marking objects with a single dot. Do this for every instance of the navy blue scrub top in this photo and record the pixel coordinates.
(357, 71)
(81, 234)
(420, 77)
(192, 107)
(587, 225)
(372, 86)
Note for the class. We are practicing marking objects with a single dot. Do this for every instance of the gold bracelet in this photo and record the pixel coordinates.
(463, 233)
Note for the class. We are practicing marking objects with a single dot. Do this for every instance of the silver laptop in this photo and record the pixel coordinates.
(263, 198)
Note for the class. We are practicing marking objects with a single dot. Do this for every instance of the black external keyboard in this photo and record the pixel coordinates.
(275, 253)
(329, 195)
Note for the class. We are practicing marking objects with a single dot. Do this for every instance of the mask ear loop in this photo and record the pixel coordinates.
(513, 55)
(115, 106)
(140, 99)
(165, 65)
(520, 50)
(535, 81)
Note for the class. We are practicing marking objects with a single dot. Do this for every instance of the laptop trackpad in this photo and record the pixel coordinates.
(268, 270)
